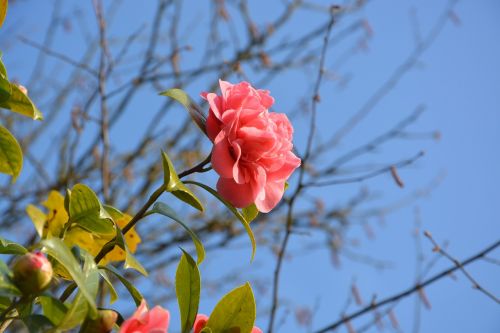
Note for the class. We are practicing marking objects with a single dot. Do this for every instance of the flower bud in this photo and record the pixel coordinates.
(32, 273)
(23, 89)
(104, 322)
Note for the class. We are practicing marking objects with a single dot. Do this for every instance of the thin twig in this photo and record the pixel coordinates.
(411, 290)
(460, 266)
(281, 253)
(366, 176)
(105, 172)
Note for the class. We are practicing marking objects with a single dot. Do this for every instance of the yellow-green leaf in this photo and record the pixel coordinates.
(80, 308)
(5, 88)
(56, 248)
(38, 218)
(130, 260)
(11, 156)
(113, 295)
(174, 185)
(136, 295)
(20, 103)
(10, 247)
(250, 213)
(86, 211)
(187, 288)
(235, 312)
(194, 110)
(3, 70)
(166, 210)
(236, 213)
(52, 308)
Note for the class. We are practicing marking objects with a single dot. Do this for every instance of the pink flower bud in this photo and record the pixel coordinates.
(23, 89)
(104, 322)
(32, 273)
(201, 322)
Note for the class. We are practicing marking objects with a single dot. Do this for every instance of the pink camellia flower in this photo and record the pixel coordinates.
(201, 322)
(252, 149)
(144, 321)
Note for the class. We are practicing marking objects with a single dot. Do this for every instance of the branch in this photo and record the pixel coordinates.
(410, 290)
(457, 263)
(314, 100)
(367, 175)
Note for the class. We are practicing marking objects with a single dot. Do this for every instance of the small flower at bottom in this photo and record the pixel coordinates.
(155, 320)
(201, 322)
(32, 273)
(103, 323)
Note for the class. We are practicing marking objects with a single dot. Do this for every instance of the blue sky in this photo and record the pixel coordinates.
(456, 79)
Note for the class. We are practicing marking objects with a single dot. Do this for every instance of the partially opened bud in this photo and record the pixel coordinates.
(23, 89)
(104, 322)
(32, 273)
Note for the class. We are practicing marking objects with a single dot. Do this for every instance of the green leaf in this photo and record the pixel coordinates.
(20, 103)
(164, 209)
(56, 248)
(67, 199)
(136, 295)
(174, 185)
(113, 295)
(86, 211)
(5, 88)
(250, 213)
(38, 217)
(187, 288)
(37, 323)
(8, 289)
(113, 212)
(235, 312)
(3, 70)
(4, 270)
(4, 4)
(194, 110)
(11, 155)
(80, 308)
(236, 213)
(24, 308)
(130, 260)
(10, 247)
(52, 308)
(5, 302)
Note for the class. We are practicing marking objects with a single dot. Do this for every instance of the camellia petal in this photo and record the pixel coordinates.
(273, 193)
(239, 195)
(144, 321)
(212, 126)
(290, 164)
(200, 323)
(222, 161)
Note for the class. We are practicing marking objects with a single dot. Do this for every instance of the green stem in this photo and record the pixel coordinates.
(109, 246)
(12, 306)
(67, 292)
